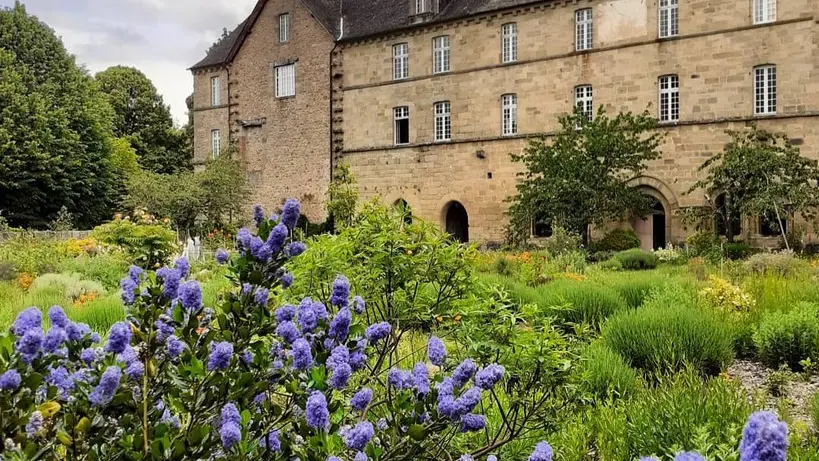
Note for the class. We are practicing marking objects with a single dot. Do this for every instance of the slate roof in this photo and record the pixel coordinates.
(362, 18)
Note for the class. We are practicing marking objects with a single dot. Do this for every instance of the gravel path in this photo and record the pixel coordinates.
(753, 377)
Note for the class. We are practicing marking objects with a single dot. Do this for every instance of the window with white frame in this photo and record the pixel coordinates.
(422, 6)
(669, 98)
(509, 43)
(284, 28)
(215, 143)
(669, 18)
(764, 11)
(443, 121)
(401, 122)
(765, 90)
(440, 54)
(285, 81)
(400, 61)
(584, 30)
(215, 91)
(584, 100)
(509, 114)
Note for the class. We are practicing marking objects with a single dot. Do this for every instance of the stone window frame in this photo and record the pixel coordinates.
(400, 54)
(215, 91)
(669, 18)
(285, 27)
(763, 11)
(669, 98)
(441, 54)
(281, 90)
(584, 99)
(215, 143)
(399, 114)
(509, 114)
(509, 42)
(423, 6)
(442, 126)
(584, 29)
(765, 89)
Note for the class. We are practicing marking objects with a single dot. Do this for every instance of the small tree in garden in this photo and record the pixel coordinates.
(761, 174)
(342, 196)
(580, 177)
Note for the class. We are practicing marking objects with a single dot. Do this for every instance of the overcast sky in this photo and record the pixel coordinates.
(162, 38)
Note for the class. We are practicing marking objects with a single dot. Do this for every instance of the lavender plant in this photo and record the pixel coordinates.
(243, 380)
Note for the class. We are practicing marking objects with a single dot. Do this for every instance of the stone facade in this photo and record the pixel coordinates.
(714, 57)
(283, 142)
(345, 87)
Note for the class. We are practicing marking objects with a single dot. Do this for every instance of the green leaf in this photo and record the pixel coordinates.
(418, 432)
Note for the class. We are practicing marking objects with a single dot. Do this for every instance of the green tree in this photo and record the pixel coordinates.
(761, 174)
(342, 196)
(142, 117)
(581, 177)
(55, 129)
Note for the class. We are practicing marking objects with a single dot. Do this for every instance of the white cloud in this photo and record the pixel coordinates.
(162, 38)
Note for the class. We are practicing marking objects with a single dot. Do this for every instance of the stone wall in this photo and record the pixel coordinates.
(207, 117)
(714, 57)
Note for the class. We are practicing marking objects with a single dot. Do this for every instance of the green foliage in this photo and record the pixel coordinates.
(814, 410)
(703, 244)
(410, 272)
(55, 129)
(215, 195)
(787, 338)
(777, 381)
(580, 177)
(146, 244)
(637, 259)
(106, 268)
(783, 263)
(634, 288)
(761, 174)
(143, 118)
(62, 222)
(70, 285)
(33, 255)
(737, 250)
(580, 302)
(342, 196)
(605, 374)
(562, 242)
(8, 271)
(669, 333)
(617, 240)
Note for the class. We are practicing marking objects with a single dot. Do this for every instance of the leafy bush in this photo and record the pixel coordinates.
(146, 241)
(670, 254)
(617, 240)
(783, 263)
(634, 288)
(71, 285)
(562, 241)
(704, 244)
(611, 264)
(786, 338)
(722, 295)
(637, 259)
(737, 250)
(580, 302)
(33, 255)
(814, 410)
(104, 268)
(8, 271)
(604, 374)
(670, 333)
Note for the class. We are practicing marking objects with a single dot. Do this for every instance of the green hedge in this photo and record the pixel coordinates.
(636, 259)
(787, 338)
(616, 240)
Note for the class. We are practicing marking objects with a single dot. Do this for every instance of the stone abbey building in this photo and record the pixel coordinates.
(426, 99)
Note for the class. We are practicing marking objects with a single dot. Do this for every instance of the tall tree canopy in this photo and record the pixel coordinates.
(55, 129)
(142, 117)
(581, 176)
(761, 174)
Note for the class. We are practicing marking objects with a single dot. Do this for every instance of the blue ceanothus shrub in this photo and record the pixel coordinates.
(246, 380)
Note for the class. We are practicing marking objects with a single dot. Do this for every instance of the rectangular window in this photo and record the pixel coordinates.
(509, 44)
(440, 54)
(584, 100)
(285, 81)
(284, 28)
(669, 18)
(765, 90)
(400, 61)
(584, 31)
(215, 143)
(670, 98)
(509, 111)
(422, 6)
(443, 121)
(764, 11)
(401, 117)
(215, 91)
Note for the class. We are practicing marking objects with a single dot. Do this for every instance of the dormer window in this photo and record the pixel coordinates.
(423, 6)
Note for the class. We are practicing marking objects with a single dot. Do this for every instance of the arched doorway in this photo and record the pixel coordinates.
(403, 207)
(457, 222)
(653, 229)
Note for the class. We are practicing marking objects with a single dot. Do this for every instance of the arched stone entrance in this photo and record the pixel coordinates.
(456, 221)
(652, 230)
